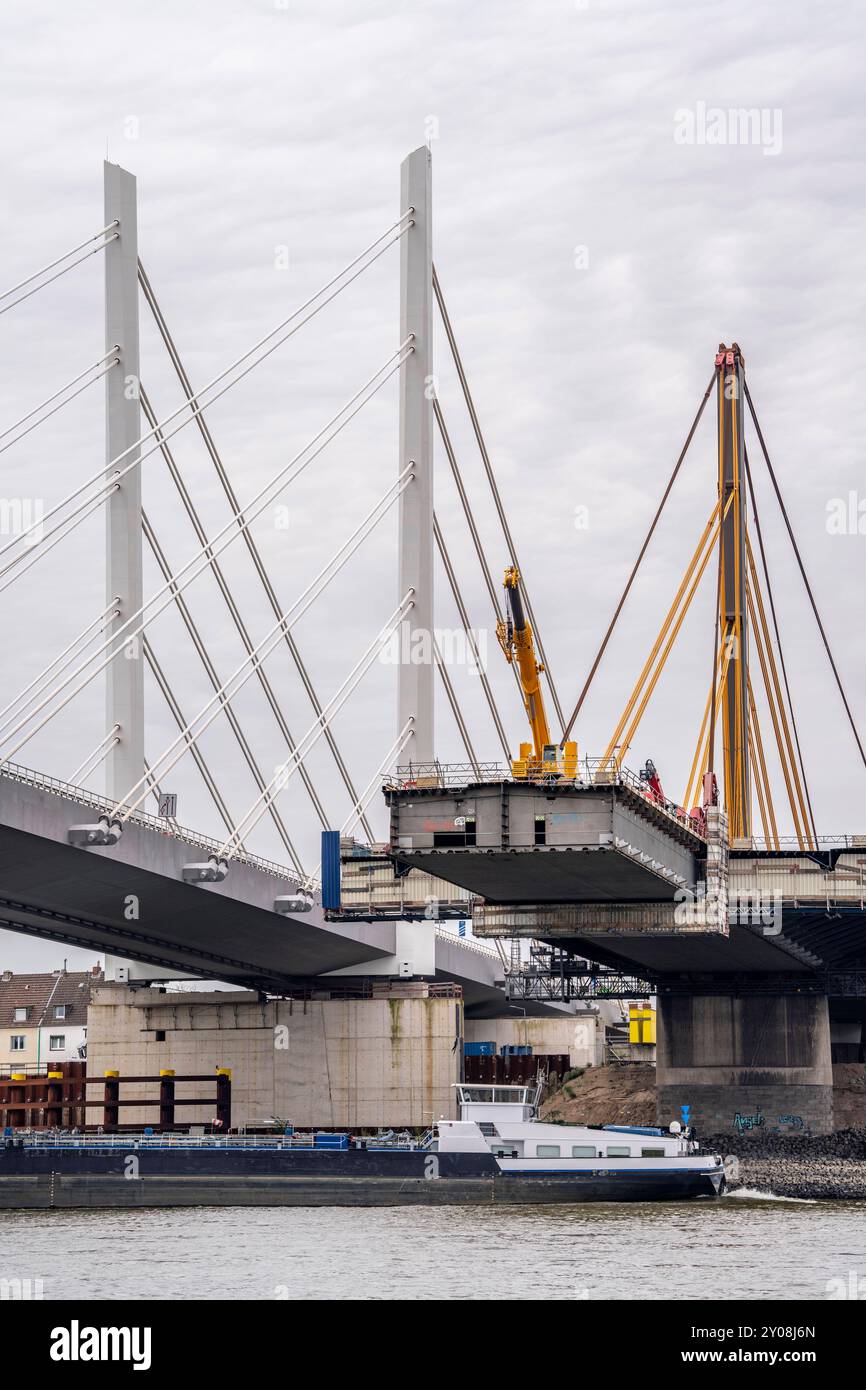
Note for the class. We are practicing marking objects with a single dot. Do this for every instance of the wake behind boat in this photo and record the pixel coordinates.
(497, 1152)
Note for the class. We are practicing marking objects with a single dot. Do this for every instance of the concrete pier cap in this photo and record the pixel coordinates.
(745, 1063)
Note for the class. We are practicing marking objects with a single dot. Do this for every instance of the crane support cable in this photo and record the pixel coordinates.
(51, 264)
(99, 479)
(282, 775)
(755, 729)
(709, 534)
(697, 769)
(101, 361)
(808, 586)
(500, 510)
(772, 603)
(255, 555)
(96, 755)
(214, 679)
(177, 714)
(703, 764)
(470, 636)
(240, 626)
(4, 308)
(771, 663)
(456, 710)
(314, 589)
(776, 715)
(226, 534)
(666, 651)
(637, 564)
(759, 789)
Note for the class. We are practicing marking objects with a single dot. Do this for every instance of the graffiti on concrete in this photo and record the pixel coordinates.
(743, 1123)
(795, 1121)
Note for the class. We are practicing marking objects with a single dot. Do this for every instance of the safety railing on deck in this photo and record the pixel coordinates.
(103, 805)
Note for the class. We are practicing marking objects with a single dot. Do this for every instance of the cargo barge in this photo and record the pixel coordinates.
(497, 1152)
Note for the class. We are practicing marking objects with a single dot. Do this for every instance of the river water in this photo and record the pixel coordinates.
(741, 1246)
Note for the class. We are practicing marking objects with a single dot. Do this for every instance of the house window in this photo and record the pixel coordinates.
(159, 1035)
(619, 1152)
(62, 1010)
(652, 1153)
(21, 1014)
(17, 1043)
(547, 1151)
(541, 830)
(57, 1042)
(583, 1150)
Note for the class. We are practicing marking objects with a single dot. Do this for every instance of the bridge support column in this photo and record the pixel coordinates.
(745, 1062)
(416, 659)
(124, 676)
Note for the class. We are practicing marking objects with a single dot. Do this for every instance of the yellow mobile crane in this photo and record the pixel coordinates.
(541, 757)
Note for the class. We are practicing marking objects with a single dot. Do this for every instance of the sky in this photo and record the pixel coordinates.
(601, 223)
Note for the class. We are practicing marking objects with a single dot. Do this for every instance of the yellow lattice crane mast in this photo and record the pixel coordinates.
(541, 757)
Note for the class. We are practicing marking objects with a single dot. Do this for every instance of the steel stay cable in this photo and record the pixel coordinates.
(237, 619)
(99, 478)
(110, 612)
(55, 394)
(649, 535)
(51, 264)
(497, 499)
(250, 512)
(204, 656)
(4, 308)
(808, 586)
(249, 541)
(307, 741)
(313, 590)
(766, 570)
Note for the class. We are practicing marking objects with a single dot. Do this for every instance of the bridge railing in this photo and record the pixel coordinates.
(55, 786)
(590, 772)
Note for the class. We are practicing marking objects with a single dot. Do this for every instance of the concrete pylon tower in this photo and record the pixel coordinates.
(415, 664)
(123, 569)
(733, 613)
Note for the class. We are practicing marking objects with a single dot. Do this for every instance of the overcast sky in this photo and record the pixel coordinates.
(595, 242)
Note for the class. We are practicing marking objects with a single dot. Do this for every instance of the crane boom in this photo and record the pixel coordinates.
(516, 640)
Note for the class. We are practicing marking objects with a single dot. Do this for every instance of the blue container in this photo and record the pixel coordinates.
(479, 1049)
(331, 870)
(515, 1050)
(330, 1141)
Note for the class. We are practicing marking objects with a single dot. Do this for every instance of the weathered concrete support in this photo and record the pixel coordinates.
(745, 1062)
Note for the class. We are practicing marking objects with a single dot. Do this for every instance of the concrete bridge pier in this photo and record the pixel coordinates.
(745, 1062)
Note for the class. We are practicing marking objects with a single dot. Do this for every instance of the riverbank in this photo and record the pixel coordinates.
(813, 1167)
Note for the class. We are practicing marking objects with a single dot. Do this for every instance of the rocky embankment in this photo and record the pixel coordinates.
(787, 1165)
(798, 1165)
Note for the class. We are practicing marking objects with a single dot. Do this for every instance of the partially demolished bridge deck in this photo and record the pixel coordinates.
(602, 870)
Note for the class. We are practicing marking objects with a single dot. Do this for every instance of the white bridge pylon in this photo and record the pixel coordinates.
(124, 628)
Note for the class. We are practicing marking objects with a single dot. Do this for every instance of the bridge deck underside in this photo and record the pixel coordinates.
(544, 874)
(810, 941)
(90, 898)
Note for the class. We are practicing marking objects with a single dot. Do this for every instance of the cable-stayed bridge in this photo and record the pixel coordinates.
(730, 927)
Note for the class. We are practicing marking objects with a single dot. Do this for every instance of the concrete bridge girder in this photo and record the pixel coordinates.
(515, 842)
